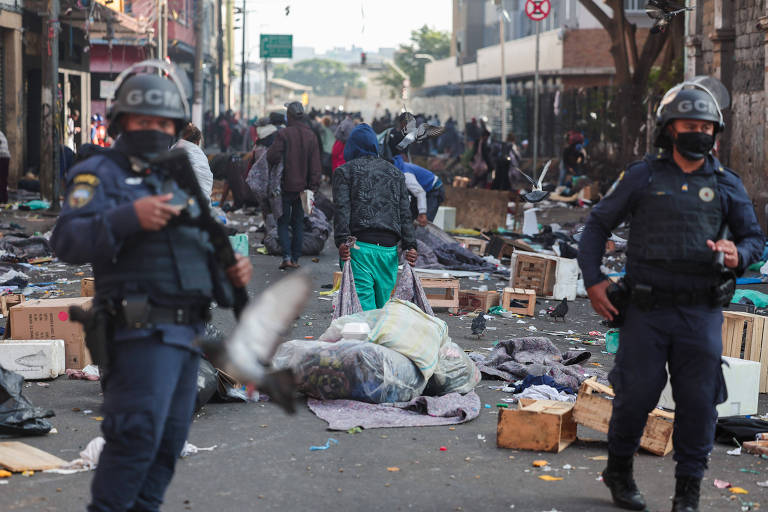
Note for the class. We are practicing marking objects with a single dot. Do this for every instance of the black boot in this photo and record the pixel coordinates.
(687, 491)
(618, 477)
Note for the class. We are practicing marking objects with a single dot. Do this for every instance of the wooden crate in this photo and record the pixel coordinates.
(538, 425)
(747, 334)
(534, 273)
(594, 411)
(10, 300)
(87, 287)
(448, 297)
(500, 248)
(520, 295)
(759, 447)
(474, 300)
(476, 245)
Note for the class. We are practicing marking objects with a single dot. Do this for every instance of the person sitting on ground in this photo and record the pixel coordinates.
(190, 140)
(372, 204)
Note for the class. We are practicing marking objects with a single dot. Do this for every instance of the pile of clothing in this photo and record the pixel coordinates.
(438, 250)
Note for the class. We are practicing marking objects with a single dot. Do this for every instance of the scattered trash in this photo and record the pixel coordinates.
(735, 452)
(753, 471)
(599, 457)
(325, 446)
(89, 458)
(354, 430)
(550, 478)
(738, 490)
(567, 467)
(90, 372)
(762, 484)
(190, 449)
(7, 474)
(393, 469)
(481, 437)
(17, 415)
(540, 463)
(722, 484)
(443, 449)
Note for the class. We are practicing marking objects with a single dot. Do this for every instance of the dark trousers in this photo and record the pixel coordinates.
(687, 339)
(290, 227)
(149, 399)
(4, 163)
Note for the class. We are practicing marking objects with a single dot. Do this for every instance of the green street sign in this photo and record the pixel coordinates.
(276, 46)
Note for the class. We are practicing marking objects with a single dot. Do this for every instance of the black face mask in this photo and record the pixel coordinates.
(694, 145)
(146, 143)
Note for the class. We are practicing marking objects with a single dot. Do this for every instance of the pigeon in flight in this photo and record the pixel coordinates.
(413, 133)
(537, 194)
(662, 12)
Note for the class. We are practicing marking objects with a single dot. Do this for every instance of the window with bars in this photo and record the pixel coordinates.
(634, 5)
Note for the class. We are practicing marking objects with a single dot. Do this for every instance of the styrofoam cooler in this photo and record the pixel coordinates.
(33, 359)
(742, 379)
(445, 218)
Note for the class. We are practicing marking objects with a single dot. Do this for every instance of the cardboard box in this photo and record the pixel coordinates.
(48, 319)
(474, 300)
(10, 300)
(87, 287)
(742, 380)
(593, 409)
(538, 425)
(33, 359)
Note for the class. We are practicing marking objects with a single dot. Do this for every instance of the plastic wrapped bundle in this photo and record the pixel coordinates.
(455, 372)
(355, 370)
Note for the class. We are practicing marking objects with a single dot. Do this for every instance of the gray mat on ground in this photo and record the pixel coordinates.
(424, 411)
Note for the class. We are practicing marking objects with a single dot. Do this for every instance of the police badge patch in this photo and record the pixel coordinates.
(80, 195)
(706, 194)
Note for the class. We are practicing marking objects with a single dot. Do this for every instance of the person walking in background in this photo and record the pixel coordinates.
(297, 146)
(5, 161)
(72, 129)
(342, 134)
(372, 204)
(190, 140)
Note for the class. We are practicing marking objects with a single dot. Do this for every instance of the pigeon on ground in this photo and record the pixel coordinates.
(560, 310)
(537, 194)
(478, 325)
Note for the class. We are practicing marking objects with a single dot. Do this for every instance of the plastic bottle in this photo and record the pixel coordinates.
(612, 341)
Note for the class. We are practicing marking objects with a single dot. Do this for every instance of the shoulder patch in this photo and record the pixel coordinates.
(90, 179)
(80, 195)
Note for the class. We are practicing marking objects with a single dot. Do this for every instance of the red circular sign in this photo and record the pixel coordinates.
(537, 10)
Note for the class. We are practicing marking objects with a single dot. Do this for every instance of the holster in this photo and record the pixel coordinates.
(99, 327)
(722, 292)
(619, 295)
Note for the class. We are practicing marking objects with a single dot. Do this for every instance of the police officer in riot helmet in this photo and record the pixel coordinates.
(155, 278)
(680, 272)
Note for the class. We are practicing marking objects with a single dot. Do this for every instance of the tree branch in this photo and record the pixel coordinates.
(606, 21)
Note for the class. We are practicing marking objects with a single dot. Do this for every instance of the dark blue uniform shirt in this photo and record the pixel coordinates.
(621, 201)
(98, 216)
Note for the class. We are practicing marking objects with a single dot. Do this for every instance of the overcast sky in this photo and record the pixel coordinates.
(324, 24)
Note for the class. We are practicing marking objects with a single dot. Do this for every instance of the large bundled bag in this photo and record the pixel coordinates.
(408, 288)
(346, 301)
(354, 370)
(455, 372)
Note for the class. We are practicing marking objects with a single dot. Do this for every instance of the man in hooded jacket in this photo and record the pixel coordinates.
(373, 205)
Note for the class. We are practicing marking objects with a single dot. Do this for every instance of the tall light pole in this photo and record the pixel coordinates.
(536, 105)
(463, 103)
(502, 16)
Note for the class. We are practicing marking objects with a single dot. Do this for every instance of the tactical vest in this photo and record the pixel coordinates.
(173, 263)
(676, 216)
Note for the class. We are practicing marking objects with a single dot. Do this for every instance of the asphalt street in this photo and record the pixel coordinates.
(262, 460)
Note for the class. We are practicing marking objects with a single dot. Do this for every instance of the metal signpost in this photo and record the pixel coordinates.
(273, 46)
(536, 10)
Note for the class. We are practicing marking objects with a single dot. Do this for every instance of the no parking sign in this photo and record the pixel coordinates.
(537, 10)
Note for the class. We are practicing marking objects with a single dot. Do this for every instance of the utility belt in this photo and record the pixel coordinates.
(132, 312)
(646, 297)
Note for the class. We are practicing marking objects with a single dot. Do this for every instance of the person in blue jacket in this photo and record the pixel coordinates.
(155, 278)
(678, 201)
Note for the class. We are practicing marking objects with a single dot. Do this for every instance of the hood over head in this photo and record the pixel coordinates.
(362, 142)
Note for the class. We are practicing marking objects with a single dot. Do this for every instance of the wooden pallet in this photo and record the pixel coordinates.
(745, 336)
(449, 292)
(594, 410)
(476, 245)
(534, 273)
(474, 300)
(519, 295)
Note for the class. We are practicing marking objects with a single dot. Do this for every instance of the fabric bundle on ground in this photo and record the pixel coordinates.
(18, 417)
(455, 257)
(515, 359)
(13, 248)
(346, 301)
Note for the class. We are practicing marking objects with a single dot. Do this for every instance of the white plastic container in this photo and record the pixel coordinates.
(356, 331)
(33, 359)
(742, 379)
(445, 218)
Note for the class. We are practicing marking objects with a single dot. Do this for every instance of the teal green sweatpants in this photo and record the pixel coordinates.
(375, 271)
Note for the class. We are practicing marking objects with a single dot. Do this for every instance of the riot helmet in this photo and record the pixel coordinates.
(148, 94)
(701, 98)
